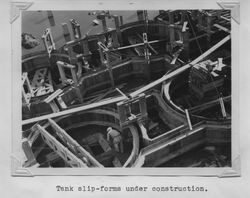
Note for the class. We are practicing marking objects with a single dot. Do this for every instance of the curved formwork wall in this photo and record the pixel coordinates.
(101, 117)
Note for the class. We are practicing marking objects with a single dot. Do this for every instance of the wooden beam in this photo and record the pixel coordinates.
(61, 150)
(181, 69)
(208, 104)
(188, 120)
(76, 148)
(74, 110)
(136, 45)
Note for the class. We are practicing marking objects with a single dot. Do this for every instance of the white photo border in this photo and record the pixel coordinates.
(15, 19)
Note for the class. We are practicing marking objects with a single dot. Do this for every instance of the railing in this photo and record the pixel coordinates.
(61, 150)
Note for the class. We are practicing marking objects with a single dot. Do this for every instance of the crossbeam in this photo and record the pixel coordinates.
(74, 110)
(136, 45)
(76, 148)
(61, 150)
(208, 104)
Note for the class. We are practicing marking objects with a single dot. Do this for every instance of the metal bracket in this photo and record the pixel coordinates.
(16, 7)
(234, 7)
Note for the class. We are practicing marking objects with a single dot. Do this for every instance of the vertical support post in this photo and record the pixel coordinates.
(121, 20)
(118, 30)
(146, 54)
(102, 17)
(61, 66)
(26, 96)
(106, 61)
(85, 47)
(185, 37)
(101, 54)
(208, 29)
(188, 120)
(110, 70)
(183, 16)
(199, 20)
(140, 15)
(143, 106)
(62, 74)
(145, 41)
(48, 41)
(66, 33)
(115, 41)
(51, 18)
(76, 28)
(122, 112)
(171, 36)
(223, 110)
(74, 75)
(171, 17)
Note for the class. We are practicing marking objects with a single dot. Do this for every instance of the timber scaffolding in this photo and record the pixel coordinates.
(121, 101)
(70, 151)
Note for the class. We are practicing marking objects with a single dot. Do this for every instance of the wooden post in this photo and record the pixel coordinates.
(106, 60)
(140, 15)
(25, 81)
(110, 70)
(171, 36)
(66, 33)
(61, 66)
(74, 75)
(101, 53)
(199, 20)
(185, 37)
(121, 20)
(188, 120)
(171, 17)
(115, 40)
(51, 18)
(102, 17)
(143, 106)
(118, 30)
(146, 52)
(86, 51)
(208, 29)
(183, 16)
(76, 29)
(48, 41)
(122, 112)
(62, 74)
(223, 110)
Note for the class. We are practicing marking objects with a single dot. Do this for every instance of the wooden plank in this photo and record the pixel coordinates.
(208, 104)
(222, 28)
(73, 144)
(74, 110)
(61, 150)
(53, 96)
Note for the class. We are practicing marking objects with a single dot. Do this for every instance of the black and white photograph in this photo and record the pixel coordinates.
(125, 98)
(126, 88)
